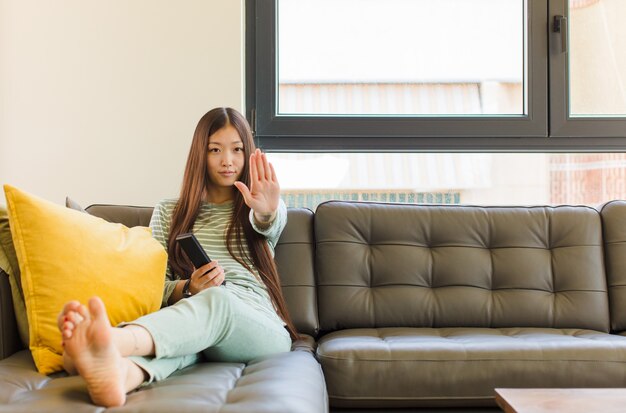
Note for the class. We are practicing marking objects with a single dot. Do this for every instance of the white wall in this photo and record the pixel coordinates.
(99, 99)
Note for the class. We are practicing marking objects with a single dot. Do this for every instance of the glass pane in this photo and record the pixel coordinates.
(401, 57)
(452, 178)
(597, 57)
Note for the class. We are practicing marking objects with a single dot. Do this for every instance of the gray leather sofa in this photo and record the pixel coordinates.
(402, 306)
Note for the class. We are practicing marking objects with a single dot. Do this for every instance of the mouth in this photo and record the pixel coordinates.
(227, 173)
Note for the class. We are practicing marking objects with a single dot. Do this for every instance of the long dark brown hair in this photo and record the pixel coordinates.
(195, 182)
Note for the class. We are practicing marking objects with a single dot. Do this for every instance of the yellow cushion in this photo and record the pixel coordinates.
(64, 254)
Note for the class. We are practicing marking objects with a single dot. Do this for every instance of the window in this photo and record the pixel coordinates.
(451, 75)
(441, 101)
(588, 69)
(451, 178)
(404, 58)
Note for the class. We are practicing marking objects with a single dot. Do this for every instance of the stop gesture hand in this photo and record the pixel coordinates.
(264, 193)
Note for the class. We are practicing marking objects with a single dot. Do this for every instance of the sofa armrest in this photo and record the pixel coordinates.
(9, 337)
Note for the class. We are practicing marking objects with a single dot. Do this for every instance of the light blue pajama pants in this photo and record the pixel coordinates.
(214, 322)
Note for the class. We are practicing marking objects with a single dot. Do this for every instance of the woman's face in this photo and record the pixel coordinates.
(226, 158)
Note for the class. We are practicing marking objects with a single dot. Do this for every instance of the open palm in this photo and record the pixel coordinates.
(264, 192)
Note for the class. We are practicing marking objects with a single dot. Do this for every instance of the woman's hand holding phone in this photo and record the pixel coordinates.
(207, 276)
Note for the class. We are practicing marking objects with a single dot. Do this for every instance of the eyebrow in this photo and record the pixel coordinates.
(239, 142)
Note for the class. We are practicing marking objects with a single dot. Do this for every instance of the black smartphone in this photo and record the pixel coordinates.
(189, 243)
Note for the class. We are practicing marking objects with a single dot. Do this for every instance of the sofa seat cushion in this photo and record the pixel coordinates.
(404, 367)
(290, 382)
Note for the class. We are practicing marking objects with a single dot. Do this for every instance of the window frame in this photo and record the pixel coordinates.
(296, 133)
(561, 124)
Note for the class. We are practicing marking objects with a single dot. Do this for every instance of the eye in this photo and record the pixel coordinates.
(214, 150)
(239, 149)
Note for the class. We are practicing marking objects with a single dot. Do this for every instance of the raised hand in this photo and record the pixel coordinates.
(264, 192)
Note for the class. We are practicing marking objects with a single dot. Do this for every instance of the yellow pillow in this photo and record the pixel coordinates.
(64, 254)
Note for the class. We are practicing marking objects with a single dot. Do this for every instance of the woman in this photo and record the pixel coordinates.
(230, 200)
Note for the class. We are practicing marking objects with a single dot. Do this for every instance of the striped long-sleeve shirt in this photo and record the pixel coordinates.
(210, 229)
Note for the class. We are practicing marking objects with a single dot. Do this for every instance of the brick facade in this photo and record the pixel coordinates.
(588, 179)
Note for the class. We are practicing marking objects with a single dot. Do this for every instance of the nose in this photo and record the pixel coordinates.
(227, 160)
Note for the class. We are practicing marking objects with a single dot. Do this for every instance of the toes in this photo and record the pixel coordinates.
(69, 323)
(97, 309)
(74, 317)
(61, 321)
(82, 311)
(70, 306)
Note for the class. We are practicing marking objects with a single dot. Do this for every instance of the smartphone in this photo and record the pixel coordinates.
(194, 251)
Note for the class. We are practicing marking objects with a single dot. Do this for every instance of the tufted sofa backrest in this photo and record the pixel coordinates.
(391, 265)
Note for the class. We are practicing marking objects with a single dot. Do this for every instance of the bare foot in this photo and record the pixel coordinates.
(92, 351)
